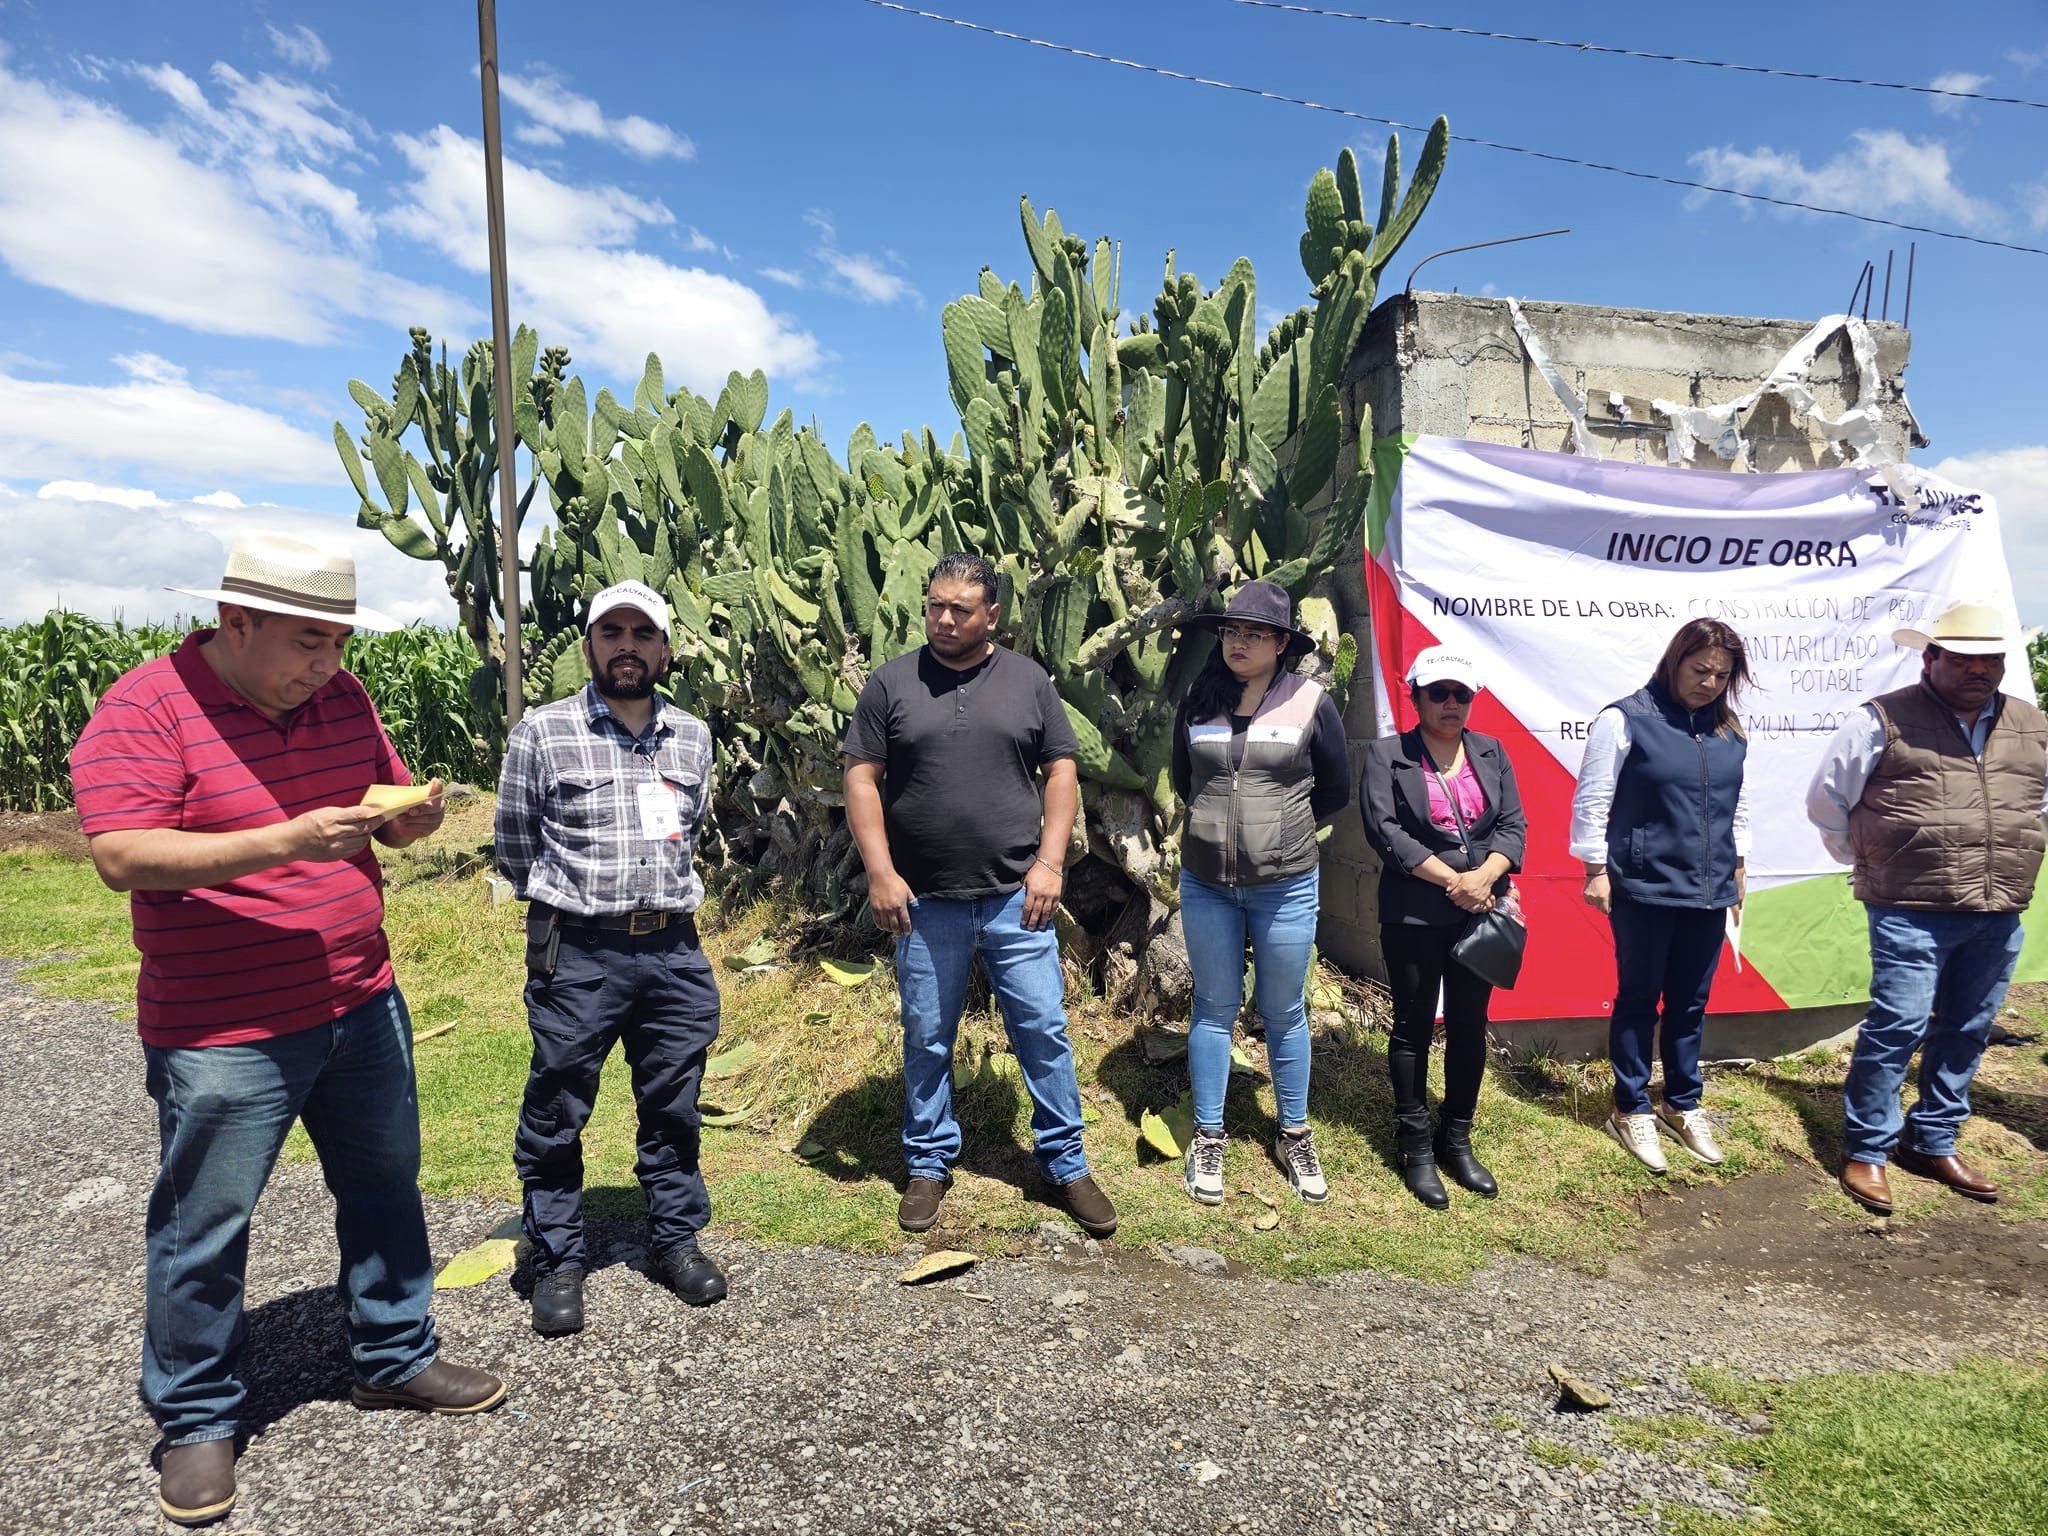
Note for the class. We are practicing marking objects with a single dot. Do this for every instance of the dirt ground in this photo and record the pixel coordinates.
(42, 831)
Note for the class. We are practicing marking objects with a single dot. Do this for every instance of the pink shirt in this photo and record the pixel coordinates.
(1471, 798)
(273, 952)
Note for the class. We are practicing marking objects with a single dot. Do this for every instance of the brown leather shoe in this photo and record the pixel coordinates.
(196, 1482)
(918, 1211)
(1951, 1170)
(1087, 1204)
(440, 1388)
(1865, 1184)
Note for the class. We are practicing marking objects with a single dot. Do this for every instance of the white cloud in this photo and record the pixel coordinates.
(866, 277)
(784, 276)
(1955, 80)
(537, 133)
(2034, 201)
(2026, 60)
(122, 547)
(288, 114)
(1883, 173)
(2018, 479)
(575, 279)
(557, 110)
(300, 47)
(113, 213)
(155, 423)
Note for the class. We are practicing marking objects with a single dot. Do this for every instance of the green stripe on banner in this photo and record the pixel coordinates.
(1811, 942)
(1388, 454)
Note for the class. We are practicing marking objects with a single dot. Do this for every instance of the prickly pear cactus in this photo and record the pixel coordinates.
(1122, 471)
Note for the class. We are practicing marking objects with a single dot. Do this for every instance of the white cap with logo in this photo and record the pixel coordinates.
(1445, 664)
(628, 594)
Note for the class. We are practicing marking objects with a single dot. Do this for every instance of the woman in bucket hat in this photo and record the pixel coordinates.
(1258, 761)
(1444, 813)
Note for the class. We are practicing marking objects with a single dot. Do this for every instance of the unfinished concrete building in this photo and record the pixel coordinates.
(1457, 366)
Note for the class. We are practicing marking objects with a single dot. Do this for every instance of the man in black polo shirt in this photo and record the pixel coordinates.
(942, 791)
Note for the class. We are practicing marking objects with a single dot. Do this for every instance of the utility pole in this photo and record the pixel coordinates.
(501, 352)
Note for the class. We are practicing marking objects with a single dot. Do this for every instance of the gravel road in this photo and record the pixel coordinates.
(1084, 1388)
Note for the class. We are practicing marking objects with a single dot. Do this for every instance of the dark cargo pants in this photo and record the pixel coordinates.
(656, 993)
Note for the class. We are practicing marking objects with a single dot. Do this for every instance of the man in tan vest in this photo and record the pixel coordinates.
(1935, 794)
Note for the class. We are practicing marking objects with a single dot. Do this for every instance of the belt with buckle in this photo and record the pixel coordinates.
(633, 923)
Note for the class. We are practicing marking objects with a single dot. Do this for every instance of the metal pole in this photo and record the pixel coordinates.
(501, 352)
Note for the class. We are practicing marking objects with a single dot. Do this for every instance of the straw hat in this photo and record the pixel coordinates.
(1968, 629)
(280, 575)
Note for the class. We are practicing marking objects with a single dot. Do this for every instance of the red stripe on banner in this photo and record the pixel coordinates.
(1568, 972)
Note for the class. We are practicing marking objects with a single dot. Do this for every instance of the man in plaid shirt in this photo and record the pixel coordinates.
(600, 804)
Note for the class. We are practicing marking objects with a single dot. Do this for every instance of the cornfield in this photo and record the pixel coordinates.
(53, 671)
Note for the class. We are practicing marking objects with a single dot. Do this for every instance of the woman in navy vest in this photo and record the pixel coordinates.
(1258, 760)
(1661, 822)
(1444, 813)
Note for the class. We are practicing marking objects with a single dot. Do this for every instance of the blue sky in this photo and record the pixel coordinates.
(213, 214)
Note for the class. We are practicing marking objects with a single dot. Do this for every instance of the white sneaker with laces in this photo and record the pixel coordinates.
(1638, 1137)
(1297, 1154)
(1202, 1167)
(1694, 1131)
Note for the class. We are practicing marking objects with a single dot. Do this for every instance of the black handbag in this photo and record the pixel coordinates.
(1493, 941)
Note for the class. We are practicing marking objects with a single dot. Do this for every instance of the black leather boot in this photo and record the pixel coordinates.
(1418, 1172)
(1454, 1152)
(558, 1302)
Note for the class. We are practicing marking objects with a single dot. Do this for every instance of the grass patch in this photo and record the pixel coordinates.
(1676, 1437)
(1553, 1454)
(1898, 1453)
(816, 1157)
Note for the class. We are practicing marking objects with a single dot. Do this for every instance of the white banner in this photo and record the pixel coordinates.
(1566, 577)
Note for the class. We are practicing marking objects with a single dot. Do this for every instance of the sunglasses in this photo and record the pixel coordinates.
(1439, 693)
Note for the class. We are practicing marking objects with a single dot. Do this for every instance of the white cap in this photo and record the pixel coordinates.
(1445, 664)
(628, 594)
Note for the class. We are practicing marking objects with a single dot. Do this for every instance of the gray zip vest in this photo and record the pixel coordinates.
(1253, 824)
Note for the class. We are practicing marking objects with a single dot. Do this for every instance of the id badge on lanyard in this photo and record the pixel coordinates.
(661, 816)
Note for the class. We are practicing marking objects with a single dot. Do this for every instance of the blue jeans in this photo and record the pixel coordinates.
(1936, 982)
(222, 1114)
(933, 962)
(1667, 954)
(1279, 917)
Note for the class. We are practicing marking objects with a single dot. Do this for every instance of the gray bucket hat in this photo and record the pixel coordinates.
(1258, 602)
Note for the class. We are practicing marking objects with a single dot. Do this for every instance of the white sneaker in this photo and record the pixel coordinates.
(1297, 1154)
(1638, 1137)
(1202, 1167)
(1694, 1131)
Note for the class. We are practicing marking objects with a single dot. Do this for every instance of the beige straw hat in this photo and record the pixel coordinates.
(1968, 629)
(281, 575)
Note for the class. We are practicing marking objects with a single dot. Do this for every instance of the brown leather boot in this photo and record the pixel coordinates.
(196, 1482)
(1950, 1170)
(1865, 1183)
(1087, 1204)
(440, 1388)
(918, 1211)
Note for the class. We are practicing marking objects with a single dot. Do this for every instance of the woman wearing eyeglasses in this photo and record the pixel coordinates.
(1443, 811)
(1660, 819)
(1258, 761)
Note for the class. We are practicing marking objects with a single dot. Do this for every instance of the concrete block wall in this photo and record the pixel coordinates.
(1451, 365)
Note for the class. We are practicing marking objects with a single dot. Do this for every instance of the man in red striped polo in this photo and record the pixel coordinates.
(224, 787)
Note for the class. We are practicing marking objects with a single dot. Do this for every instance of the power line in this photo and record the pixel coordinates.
(1641, 53)
(1460, 138)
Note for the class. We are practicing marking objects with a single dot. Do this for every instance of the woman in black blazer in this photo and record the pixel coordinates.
(1417, 789)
